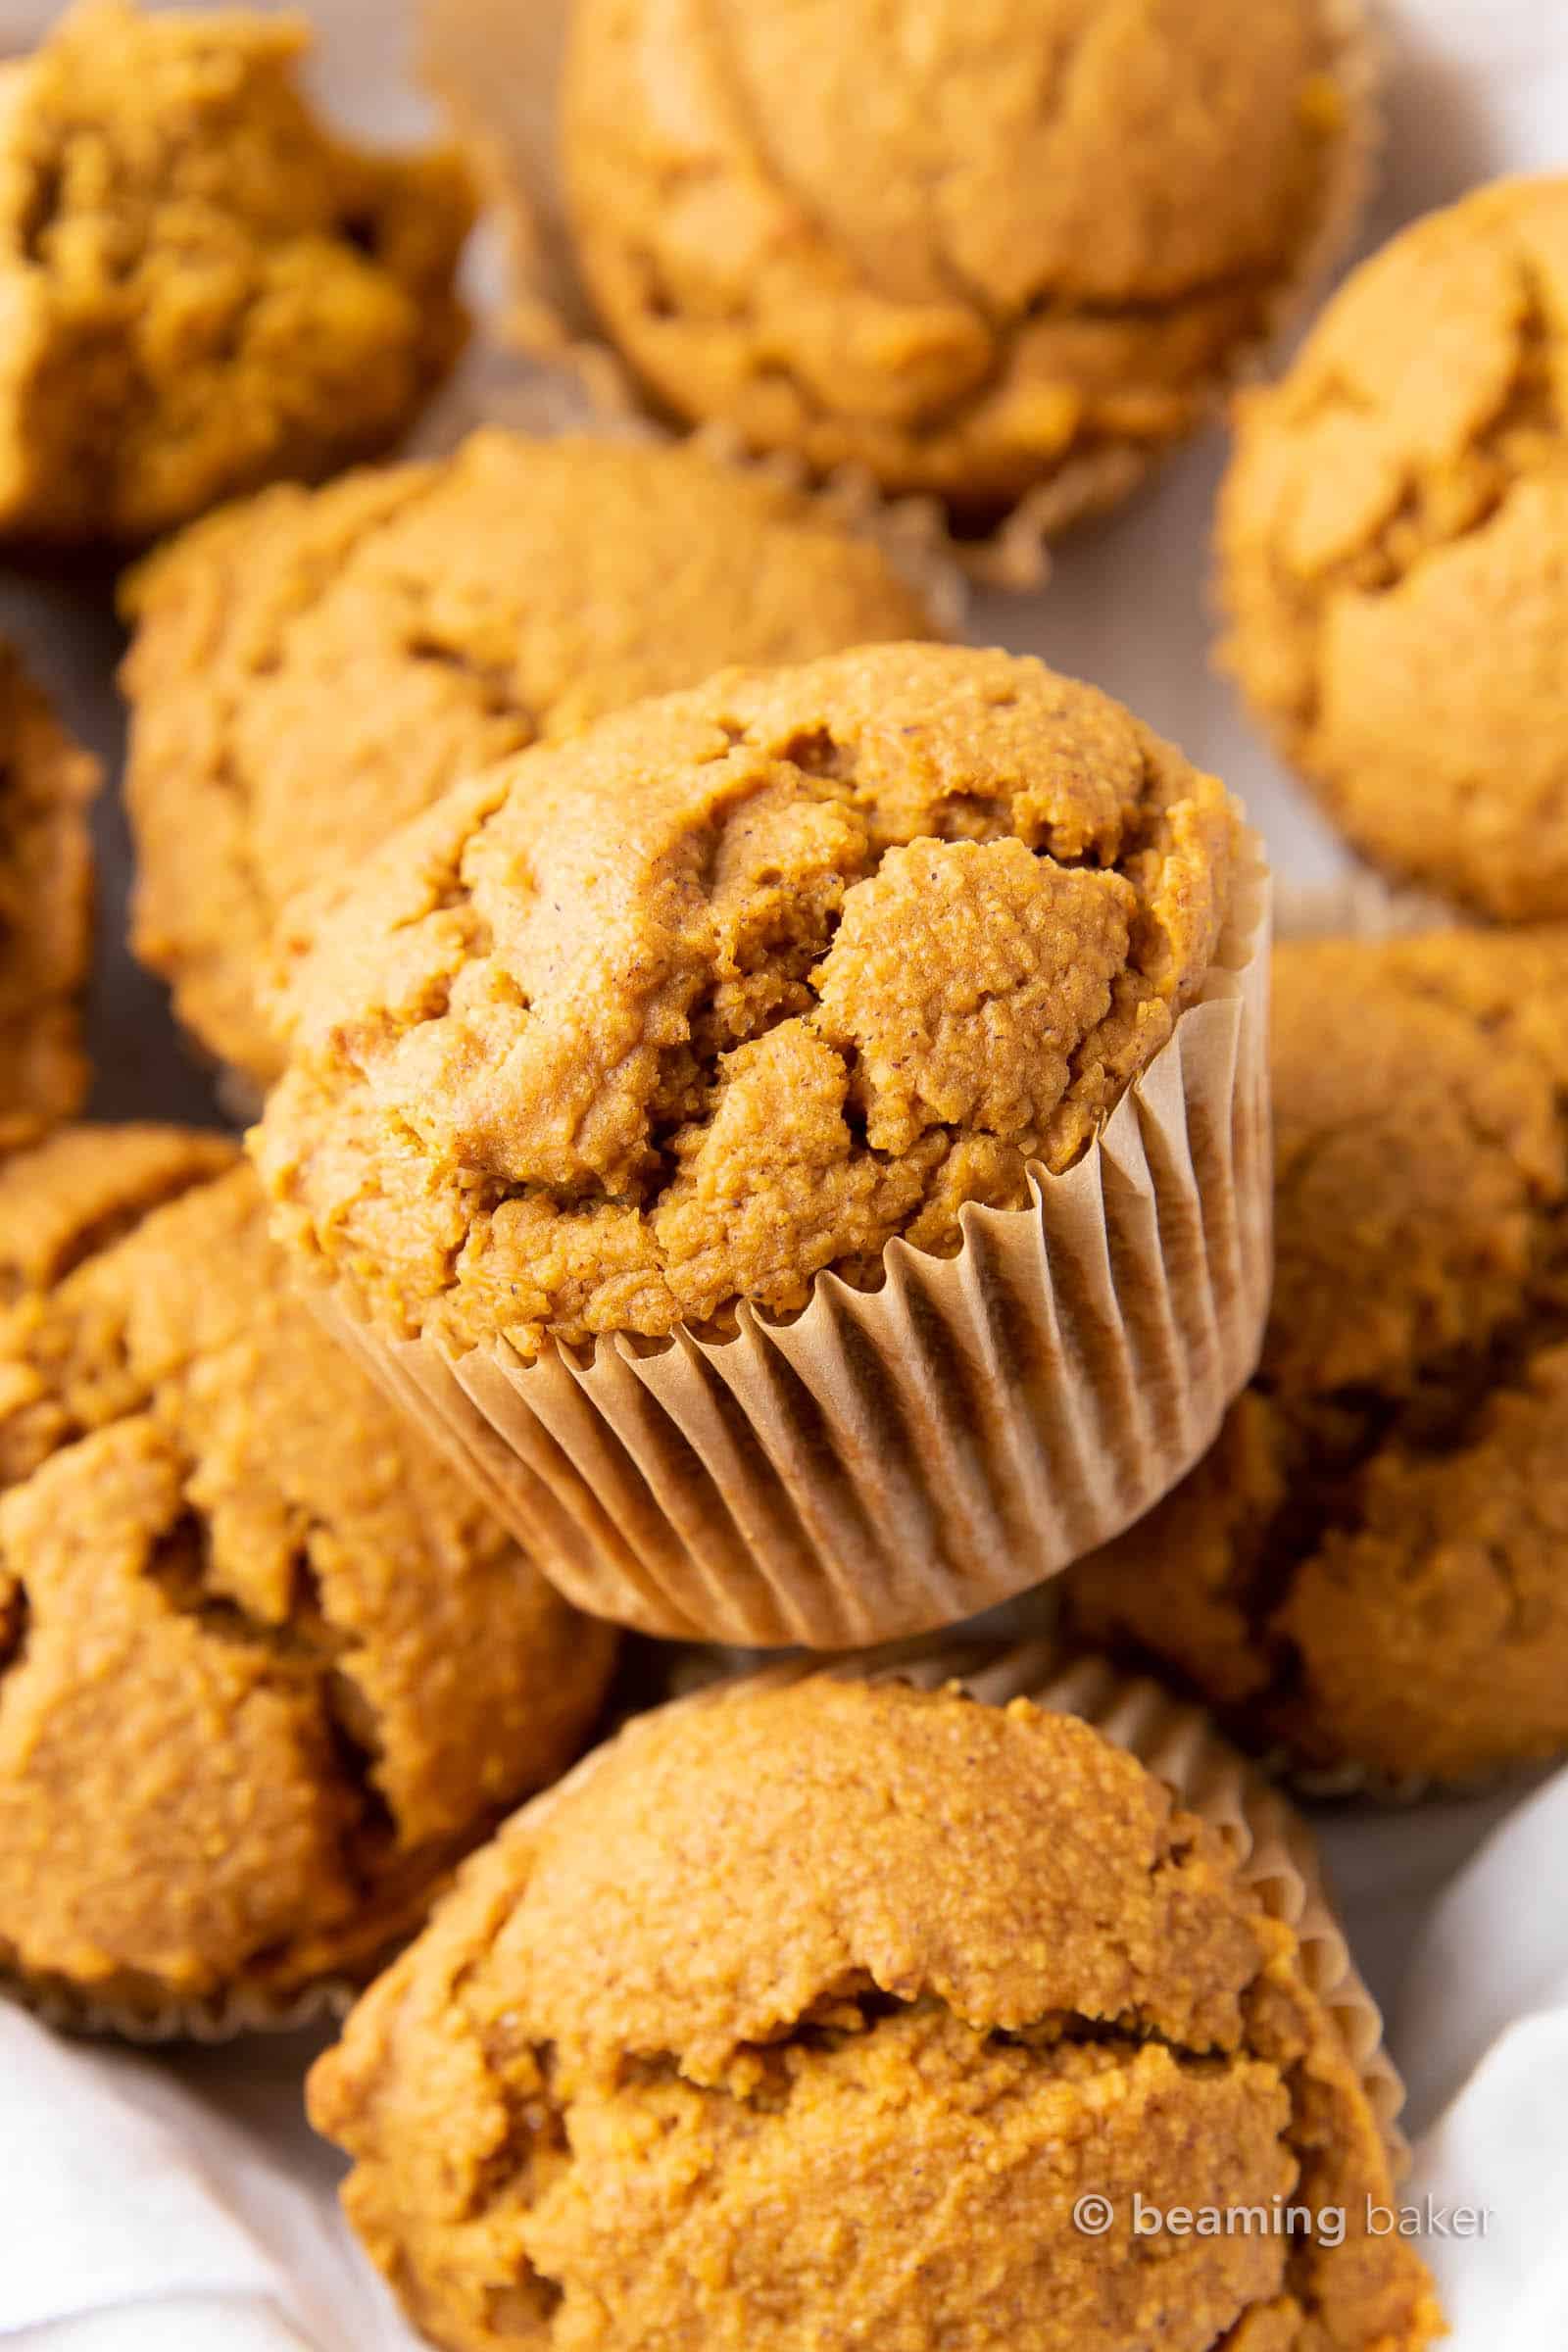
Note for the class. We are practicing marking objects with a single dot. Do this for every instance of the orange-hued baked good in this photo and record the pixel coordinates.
(1391, 538)
(265, 1669)
(736, 987)
(1367, 1569)
(813, 2016)
(47, 785)
(201, 288)
(976, 249)
(311, 669)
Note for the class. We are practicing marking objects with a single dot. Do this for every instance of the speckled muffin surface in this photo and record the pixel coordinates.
(201, 289)
(735, 987)
(311, 669)
(968, 246)
(265, 1670)
(47, 784)
(1367, 1569)
(1391, 540)
(805, 2018)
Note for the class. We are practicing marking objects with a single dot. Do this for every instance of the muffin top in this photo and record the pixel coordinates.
(812, 2013)
(204, 290)
(1390, 535)
(964, 245)
(264, 1668)
(1368, 1566)
(401, 630)
(47, 784)
(736, 987)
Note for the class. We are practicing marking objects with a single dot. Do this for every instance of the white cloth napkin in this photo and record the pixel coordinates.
(140, 2211)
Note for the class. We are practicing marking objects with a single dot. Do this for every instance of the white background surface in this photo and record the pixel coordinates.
(146, 2206)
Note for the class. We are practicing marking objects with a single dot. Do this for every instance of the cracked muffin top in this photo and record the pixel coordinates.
(1367, 1568)
(47, 785)
(202, 289)
(1391, 536)
(972, 247)
(265, 1669)
(736, 987)
(810, 2015)
(398, 632)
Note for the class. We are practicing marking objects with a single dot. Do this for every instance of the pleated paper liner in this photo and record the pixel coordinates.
(217, 2018)
(1275, 1853)
(896, 1460)
(496, 68)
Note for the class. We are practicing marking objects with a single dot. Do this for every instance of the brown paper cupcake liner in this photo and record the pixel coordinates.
(900, 1459)
(495, 69)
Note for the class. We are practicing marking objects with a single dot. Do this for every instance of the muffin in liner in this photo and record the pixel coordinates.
(1362, 905)
(452, 2027)
(497, 70)
(1412, 1492)
(498, 383)
(267, 1669)
(895, 1460)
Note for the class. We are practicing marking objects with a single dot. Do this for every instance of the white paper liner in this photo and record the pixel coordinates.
(501, 93)
(902, 1459)
(217, 2017)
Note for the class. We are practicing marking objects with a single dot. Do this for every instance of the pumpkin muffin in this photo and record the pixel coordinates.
(310, 668)
(1367, 1570)
(831, 2013)
(977, 250)
(1391, 534)
(47, 785)
(202, 289)
(265, 1669)
(734, 988)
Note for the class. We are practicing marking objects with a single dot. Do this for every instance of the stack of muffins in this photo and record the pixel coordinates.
(765, 1140)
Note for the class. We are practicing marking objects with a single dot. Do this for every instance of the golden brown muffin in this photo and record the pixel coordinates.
(311, 669)
(735, 987)
(1368, 1567)
(201, 289)
(811, 2017)
(47, 786)
(265, 1670)
(974, 248)
(1391, 534)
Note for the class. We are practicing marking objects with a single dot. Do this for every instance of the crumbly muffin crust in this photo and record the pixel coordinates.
(47, 784)
(265, 1670)
(736, 987)
(1367, 1566)
(405, 628)
(966, 246)
(201, 289)
(805, 2018)
(1390, 535)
